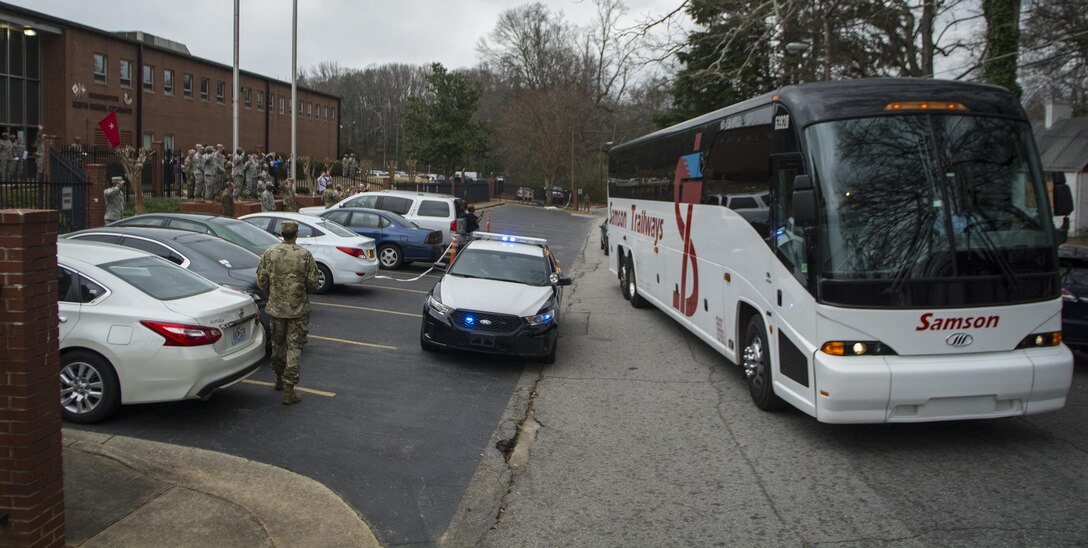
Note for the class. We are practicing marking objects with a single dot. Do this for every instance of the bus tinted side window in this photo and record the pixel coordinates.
(737, 172)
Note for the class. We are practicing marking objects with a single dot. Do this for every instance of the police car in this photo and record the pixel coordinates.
(501, 295)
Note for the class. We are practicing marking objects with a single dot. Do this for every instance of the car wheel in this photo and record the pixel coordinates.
(324, 279)
(632, 288)
(89, 391)
(756, 361)
(390, 257)
(623, 278)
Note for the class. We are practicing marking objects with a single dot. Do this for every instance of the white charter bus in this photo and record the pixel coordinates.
(868, 251)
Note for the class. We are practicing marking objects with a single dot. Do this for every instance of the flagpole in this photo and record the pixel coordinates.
(294, 87)
(237, 84)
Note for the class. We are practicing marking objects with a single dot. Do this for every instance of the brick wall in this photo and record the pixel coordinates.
(31, 472)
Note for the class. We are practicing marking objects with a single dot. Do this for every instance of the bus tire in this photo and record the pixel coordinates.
(621, 263)
(632, 287)
(756, 364)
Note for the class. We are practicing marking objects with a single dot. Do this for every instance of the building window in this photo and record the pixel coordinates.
(333, 115)
(100, 61)
(148, 139)
(126, 73)
(247, 97)
(281, 104)
(168, 82)
(309, 110)
(301, 108)
(220, 88)
(149, 78)
(260, 100)
(168, 142)
(187, 85)
(204, 89)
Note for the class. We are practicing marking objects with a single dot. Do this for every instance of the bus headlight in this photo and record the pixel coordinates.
(856, 348)
(1040, 340)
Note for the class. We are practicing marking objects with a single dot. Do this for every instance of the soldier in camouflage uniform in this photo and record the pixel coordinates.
(226, 201)
(115, 200)
(211, 173)
(252, 170)
(39, 152)
(288, 192)
(268, 201)
(331, 196)
(238, 173)
(198, 173)
(6, 155)
(287, 272)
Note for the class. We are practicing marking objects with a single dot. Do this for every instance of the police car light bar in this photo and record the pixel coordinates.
(509, 238)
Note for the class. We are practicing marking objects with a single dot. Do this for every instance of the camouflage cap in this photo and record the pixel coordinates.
(290, 229)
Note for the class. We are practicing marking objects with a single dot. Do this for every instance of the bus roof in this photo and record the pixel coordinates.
(820, 101)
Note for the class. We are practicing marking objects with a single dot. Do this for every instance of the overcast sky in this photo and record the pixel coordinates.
(353, 33)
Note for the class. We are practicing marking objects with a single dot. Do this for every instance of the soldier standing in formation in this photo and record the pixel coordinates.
(19, 154)
(226, 201)
(268, 201)
(252, 170)
(331, 196)
(238, 172)
(288, 192)
(39, 151)
(7, 152)
(197, 164)
(287, 273)
(115, 200)
(211, 172)
(345, 169)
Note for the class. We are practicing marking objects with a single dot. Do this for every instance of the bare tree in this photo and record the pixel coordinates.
(132, 161)
(1055, 56)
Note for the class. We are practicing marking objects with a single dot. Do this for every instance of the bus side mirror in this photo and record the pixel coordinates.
(804, 201)
(1063, 196)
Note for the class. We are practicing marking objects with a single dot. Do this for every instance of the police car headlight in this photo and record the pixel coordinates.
(544, 318)
(437, 306)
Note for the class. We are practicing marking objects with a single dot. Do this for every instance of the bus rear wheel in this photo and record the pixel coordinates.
(622, 263)
(756, 361)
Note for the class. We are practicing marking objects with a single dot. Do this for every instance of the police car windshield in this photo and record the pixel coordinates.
(501, 266)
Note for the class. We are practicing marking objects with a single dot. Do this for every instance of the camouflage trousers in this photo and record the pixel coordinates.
(213, 185)
(288, 338)
(198, 184)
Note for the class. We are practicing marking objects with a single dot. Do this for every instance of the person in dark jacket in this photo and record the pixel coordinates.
(472, 222)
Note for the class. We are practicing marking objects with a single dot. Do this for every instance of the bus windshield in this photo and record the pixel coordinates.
(931, 210)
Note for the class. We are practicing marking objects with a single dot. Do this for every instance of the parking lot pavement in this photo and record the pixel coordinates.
(394, 431)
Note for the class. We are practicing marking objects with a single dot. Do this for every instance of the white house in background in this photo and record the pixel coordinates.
(1063, 146)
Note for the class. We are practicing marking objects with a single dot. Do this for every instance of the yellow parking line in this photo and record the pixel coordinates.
(297, 388)
(357, 343)
(367, 309)
(399, 289)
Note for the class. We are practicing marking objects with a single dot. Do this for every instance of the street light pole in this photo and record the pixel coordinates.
(237, 27)
(294, 88)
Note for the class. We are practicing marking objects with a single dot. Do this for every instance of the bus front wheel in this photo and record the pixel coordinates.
(757, 366)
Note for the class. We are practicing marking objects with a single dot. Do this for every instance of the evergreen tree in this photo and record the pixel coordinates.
(441, 126)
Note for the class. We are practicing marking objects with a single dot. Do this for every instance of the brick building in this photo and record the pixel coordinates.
(68, 76)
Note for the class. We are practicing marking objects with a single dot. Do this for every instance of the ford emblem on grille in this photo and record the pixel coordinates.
(959, 340)
(485, 322)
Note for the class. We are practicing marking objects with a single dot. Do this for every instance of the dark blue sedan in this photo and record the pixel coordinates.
(399, 240)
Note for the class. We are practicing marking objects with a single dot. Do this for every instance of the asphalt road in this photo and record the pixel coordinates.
(649, 438)
(395, 431)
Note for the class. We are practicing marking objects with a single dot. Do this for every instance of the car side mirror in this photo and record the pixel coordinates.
(556, 279)
(804, 201)
(440, 266)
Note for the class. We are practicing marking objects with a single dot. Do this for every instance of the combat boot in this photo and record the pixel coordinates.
(289, 396)
(279, 383)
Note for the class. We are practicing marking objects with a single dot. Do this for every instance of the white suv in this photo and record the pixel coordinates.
(428, 210)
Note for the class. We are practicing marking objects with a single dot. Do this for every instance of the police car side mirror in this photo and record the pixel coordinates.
(440, 266)
(556, 279)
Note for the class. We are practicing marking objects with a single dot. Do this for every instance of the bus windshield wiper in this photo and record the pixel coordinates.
(990, 251)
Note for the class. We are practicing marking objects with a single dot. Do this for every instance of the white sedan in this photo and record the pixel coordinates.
(135, 328)
(342, 256)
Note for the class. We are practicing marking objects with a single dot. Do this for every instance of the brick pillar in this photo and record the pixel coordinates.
(49, 141)
(156, 162)
(96, 201)
(31, 471)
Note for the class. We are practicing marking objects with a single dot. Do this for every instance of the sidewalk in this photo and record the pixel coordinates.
(121, 491)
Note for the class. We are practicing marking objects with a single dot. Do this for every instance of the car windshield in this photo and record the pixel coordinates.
(245, 234)
(498, 265)
(917, 204)
(225, 253)
(159, 278)
(336, 229)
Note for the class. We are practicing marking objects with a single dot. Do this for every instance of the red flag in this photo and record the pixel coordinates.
(109, 127)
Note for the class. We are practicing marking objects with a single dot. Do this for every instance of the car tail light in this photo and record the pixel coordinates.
(453, 225)
(353, 251)
(434, 238)
(177, 334)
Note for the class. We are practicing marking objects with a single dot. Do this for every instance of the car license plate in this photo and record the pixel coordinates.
(238, 336)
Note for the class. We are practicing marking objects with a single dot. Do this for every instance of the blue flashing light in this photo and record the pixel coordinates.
(547, 318)
(470, 320)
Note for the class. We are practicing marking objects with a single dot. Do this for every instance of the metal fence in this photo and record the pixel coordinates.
(65, 192)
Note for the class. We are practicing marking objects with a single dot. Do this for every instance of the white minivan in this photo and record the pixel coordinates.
(428, 210)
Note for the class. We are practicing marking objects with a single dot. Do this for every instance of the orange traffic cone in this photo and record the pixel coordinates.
(453, 248)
